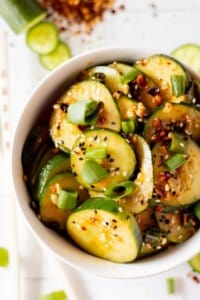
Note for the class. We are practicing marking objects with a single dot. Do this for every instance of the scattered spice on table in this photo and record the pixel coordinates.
(194, 277)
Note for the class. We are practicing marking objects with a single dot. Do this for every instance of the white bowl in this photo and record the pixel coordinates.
(45, 93)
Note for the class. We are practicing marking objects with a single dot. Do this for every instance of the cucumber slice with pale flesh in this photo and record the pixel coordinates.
(127, 107)
(194, 262)
(117, 149)
(42, 38)
(63, 133)
(50, 214)
(58, 56)
(100, 227)
(21, 14)
(189, 54)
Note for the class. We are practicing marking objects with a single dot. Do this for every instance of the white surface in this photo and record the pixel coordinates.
(170, 24)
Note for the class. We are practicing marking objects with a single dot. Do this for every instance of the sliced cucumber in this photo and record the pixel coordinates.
(21, 14)
(49, 212)
(42, 38)
(58, 56)
(182, 186)
(160, 68)
(185, 118)
(117, 149)
(139, 199)
(127, 107)
(189, 54)
(58, 164)
(194, 262)
(99, 227)
(171, 224)
(122, 68)
(109, 76)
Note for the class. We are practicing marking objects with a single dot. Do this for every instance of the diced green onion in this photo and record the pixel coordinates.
(93, 172)
(4, 257)
(170, 285)
(130, 76)
(178, 85)
(96, 153)
(120, 190)
(128, 126)
(155, 238)
(197, 210)
(83, 112)
(174, 162)
(67, 199)
(57, 295)
(178, 144)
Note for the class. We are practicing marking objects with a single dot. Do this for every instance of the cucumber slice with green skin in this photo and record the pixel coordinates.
(58, 56)
(100, 227)
(159, 68)
(189, 54)
(110, 77)
(194, 263)
(21, 14)
(43, 38)
(117, 149)
(122, 68)
(50, 214)
(127, 108)
(180, 187)
(171, 223)
(58, 164)
(63, 133)
(139, 199)
(170, 117)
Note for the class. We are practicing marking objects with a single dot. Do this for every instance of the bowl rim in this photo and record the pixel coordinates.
(78, 259)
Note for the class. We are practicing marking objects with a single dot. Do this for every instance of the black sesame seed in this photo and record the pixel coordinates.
(105, 138)
(113, 220)
(95, 138)
(111, 160)
(108, 156)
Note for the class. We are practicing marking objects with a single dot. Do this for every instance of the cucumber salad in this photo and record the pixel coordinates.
(116, 166)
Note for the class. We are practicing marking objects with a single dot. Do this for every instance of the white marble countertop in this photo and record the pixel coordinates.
(157, 24)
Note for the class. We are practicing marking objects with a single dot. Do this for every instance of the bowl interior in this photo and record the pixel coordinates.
(42, 98)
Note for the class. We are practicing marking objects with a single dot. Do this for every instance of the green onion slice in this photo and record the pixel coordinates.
(178, 85)
(170, 285)
(197, 210)
(93, 172)
(130, 76)
(83, 112)
(67, 199)
(128, 126)
(96, 153)
(57, 295)
(178, 143)
(4, 257)
(176, 161)
(120, 190)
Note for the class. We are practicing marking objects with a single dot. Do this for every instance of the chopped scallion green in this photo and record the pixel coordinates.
(120, 190)
(130, 76)
(128, 126)
(174, 162)
(178, 143)
(83, 112)
(197, 210)
(96, 153)
(57, 295)
(67, 199)
(93, 172)
(170, 285)
(178, 85)
(4, 257)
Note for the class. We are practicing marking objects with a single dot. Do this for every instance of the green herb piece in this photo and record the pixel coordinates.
(170, 284)
(96, 153)
(57, 295)
(178, 85)
(178, 144)
(4, 257)
(197, 209)
(194, 263)
(93, 172)
(83, 112)
(174, 162)
(130, 76)
(67, 199)
(128, 126)
(120, 190)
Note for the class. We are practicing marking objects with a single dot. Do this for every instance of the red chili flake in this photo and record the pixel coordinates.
(83, 228)
(194, 277)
